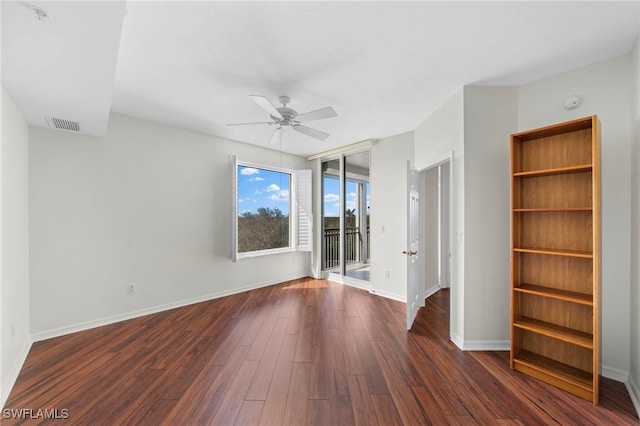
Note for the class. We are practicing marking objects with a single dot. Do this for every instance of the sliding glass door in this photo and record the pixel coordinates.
(346, 214)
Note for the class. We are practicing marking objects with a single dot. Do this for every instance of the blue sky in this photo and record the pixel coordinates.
(265, 188)
(332, 196)
(262, 188)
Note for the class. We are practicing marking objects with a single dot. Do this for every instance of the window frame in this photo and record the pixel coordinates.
(300, 217)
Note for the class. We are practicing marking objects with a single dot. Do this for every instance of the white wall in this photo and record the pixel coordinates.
(490, 116)
(476, 123)
(147, 204)
(634, 376)
(14, 245)
(605, 89)
(441, 133)
(388, 161)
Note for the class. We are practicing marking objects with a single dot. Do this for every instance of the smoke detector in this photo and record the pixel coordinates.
(572, 102)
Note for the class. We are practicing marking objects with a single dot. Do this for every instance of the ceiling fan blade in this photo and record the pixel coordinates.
(266, 105)
(316, 134)
(319, 114)
(255, 122)
(276, 137)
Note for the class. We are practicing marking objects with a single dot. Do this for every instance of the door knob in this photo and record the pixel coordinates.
(409, 253)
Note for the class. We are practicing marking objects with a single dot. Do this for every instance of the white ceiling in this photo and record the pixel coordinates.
(383, 66)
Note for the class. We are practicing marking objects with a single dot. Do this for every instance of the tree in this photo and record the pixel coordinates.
(261, 230)
(351, 217)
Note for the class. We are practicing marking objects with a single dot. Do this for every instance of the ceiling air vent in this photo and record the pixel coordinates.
(62, 124)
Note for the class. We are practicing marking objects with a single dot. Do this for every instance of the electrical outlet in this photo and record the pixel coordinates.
(131, 288)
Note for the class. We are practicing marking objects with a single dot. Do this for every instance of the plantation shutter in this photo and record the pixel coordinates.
(304, 228)
(234, 208)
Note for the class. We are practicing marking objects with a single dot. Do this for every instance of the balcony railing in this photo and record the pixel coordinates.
(354, 252)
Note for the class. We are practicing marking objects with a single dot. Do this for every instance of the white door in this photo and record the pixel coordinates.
(415, 297)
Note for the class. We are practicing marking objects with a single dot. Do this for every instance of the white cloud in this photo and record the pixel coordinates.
(249, 171)
(256, 179)
(280, 195)
(331, 197)
(351, 195)
(273, 187)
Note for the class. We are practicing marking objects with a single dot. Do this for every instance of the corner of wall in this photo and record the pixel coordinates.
(9, 377)
(633, 382)
(634, 393)
(489, 119)
(15, 340)
(442, 132)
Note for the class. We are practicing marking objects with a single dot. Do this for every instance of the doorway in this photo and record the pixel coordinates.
(435, 220)
(433, 269)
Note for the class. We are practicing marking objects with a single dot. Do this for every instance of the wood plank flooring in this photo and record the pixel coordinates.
(302, 352)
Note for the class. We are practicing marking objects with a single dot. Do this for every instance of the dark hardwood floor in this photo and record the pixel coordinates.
(302, 352)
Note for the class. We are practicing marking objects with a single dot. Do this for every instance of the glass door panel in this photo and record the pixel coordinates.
(331, 207)
(356, 216)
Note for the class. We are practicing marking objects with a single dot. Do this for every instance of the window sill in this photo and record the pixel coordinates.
(252, 254)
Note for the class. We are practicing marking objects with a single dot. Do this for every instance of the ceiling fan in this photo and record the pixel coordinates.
(284, 117)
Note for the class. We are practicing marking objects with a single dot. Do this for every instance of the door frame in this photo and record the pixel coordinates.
(446, 158)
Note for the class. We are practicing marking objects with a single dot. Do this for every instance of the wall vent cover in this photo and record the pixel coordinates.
(62, 124)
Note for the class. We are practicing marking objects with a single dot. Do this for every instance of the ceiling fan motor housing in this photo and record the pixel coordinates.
(288, 116)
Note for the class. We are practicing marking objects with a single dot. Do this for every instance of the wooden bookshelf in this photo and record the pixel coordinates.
(555, 255)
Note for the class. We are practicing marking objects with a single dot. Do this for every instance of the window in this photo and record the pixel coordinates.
(263, 209)
(272, 210)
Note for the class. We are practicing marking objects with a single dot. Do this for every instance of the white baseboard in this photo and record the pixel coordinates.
(388, 295)
(634, 393)
(61, 331)
(614, 374)
(456, 340)
(486, 345)
(363, 285)
(8, 382)
(480, 345)
(431, 291)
